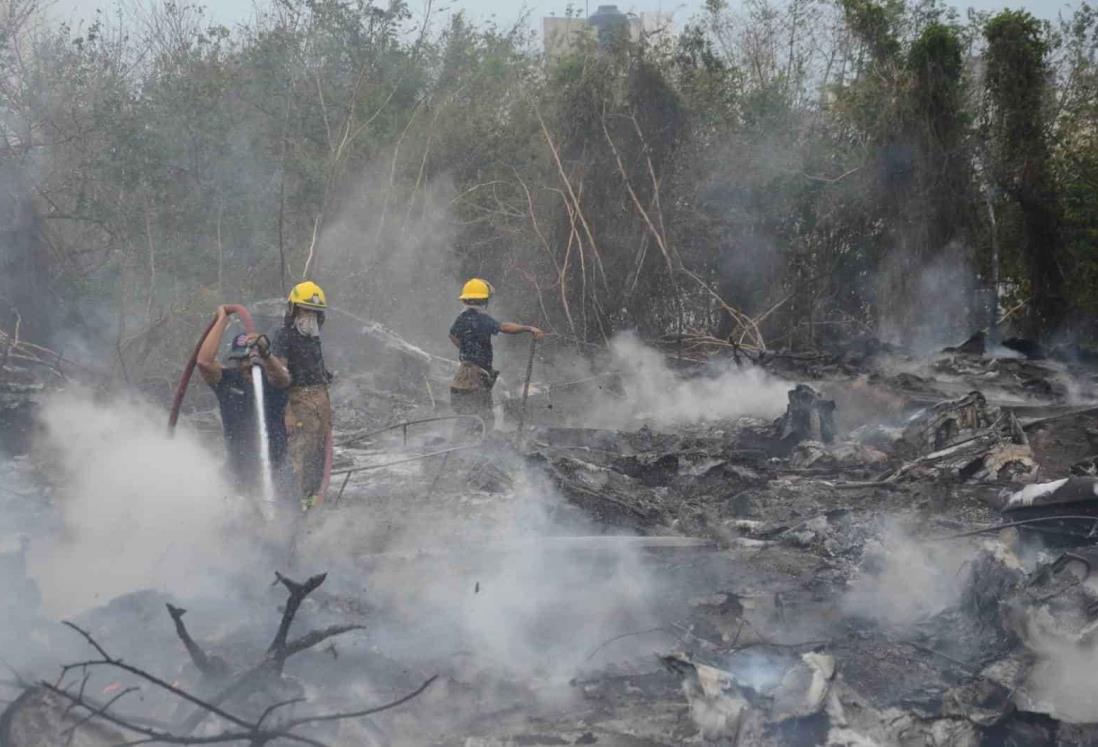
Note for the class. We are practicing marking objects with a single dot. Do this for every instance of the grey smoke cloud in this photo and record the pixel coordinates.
(138, 509)
(656, 395)
(905, 579)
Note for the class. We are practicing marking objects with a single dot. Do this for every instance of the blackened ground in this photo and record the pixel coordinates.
(542, 577)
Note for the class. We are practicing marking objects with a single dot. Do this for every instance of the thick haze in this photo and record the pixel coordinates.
(506, 11)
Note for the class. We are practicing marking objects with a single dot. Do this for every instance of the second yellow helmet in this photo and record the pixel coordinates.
(476, 290)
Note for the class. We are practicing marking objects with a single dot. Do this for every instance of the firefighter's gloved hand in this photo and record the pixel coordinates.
(263, 346)
(307, 502)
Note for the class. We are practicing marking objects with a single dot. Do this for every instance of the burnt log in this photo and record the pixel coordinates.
(808, 417)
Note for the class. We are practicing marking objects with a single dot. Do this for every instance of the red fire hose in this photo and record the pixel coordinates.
(188, 371)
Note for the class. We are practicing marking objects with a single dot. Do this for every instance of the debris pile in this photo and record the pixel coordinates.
(809, 417)
(819, 576)
(968, 440)
(211, 703)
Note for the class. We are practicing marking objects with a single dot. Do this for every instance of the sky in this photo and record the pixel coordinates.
(507, 11)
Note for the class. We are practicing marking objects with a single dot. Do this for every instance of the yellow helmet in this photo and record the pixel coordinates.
(476, 290)
(308, 295)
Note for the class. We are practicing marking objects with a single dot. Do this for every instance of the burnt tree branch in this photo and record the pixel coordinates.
(109, 661)
(93, 714)
(367, 712)
(236, 729)
(311, 639)
(277, 652)
(298, 592)
(274, 707)
(210, 667)
(252, 734)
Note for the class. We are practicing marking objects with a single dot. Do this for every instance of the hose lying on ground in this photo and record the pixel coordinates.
(1022, 523)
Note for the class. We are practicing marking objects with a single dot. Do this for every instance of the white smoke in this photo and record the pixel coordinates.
(932, 302)
(139, 510)
(656, 395)
(904, 579)
(490, 583)
(1064, 652)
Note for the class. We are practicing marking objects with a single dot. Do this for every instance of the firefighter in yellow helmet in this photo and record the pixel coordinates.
(308, 407)
(471, 333)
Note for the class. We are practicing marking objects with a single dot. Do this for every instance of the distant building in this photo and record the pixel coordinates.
(612, 26)
(605, 26)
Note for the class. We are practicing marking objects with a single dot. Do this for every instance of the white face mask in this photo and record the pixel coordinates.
(307, 323)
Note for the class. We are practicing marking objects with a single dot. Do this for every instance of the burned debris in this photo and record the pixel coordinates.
(969, 440)
(257, 705)
(723, 384)
(859, 569)
(809, 417)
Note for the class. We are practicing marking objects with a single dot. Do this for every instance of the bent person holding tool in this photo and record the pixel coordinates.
(471, 333)
(309, 409)
(231, 384)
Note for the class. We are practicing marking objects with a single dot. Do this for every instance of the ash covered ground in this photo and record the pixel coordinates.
(783, 549)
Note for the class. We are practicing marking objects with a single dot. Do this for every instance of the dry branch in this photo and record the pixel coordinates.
(746, 323)
(315, 637)
(254, 733)
(298, 592)
(214, 667)
(368, 711)
(108, 661)
(656, 233)
(572, 194)
(273, 663)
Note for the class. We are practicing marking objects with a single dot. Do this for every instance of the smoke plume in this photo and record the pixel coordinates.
(507, 588)
(656, 395)
(903, 580)
(138, 509)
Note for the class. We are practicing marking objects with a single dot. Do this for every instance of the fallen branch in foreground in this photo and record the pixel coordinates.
(81, 711)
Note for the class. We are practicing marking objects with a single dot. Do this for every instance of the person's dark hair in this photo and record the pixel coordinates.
(475, 302)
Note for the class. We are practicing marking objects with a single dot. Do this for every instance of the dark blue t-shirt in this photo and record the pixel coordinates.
(303, 355)
(474, 329)
(236, 400)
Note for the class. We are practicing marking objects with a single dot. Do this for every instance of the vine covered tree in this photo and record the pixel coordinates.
(780, 173)
(1017, 83)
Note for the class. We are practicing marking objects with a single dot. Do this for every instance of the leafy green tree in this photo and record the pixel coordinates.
(782, 174)
(1017, 89)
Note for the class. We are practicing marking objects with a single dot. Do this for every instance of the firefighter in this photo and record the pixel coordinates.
(471, 333)
(232, 385)
(308, 409)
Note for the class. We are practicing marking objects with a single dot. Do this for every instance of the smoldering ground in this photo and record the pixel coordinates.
(137, 509)
(485, 589)
(655, 395)
(631, 386)
(904, 580)
(498, 592)
(500, 583)
(117, 518)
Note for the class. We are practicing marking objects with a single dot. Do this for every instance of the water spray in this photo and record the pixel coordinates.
(267, 507)
(269, 498)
